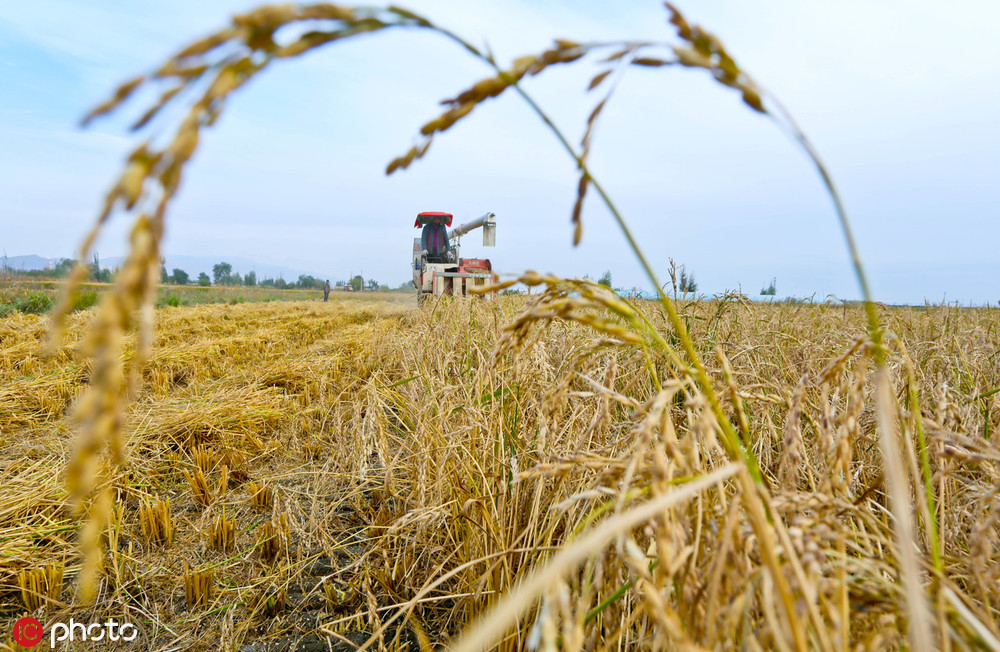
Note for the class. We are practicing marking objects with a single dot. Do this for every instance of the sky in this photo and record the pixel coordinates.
(900, 97)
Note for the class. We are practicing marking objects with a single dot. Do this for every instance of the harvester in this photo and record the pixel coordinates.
(438, 267)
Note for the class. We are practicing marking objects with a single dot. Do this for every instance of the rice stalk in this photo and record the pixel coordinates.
(199, 587)
(223, 534)
(41, 586)
(261, 495)
(203, 492)
(273, 538)
(204, 458)
(156, 522)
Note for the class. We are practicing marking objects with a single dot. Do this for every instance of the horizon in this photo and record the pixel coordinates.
(193, 269)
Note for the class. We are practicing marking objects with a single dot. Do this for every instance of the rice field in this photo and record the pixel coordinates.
(38, 295)
(529, 473)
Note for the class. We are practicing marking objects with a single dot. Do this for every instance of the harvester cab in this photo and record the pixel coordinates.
(438, 267)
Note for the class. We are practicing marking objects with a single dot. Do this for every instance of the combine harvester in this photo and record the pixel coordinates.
(437, 266)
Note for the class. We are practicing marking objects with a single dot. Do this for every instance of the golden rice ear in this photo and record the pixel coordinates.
(465, 102)
(705, 50)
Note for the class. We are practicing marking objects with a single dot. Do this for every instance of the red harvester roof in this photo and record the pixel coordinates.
(423, 217)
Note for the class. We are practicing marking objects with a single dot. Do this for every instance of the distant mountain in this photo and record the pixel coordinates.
(27, 262)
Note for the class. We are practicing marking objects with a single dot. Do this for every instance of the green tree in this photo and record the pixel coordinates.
(203, 280)
(98, 274)
(357, 283)
(605, 279)
(250, 279)
(307, 282)
(687, 283)
(680, 279)
(63, 267)
(180, 277)
(221, 273)
(771, 289)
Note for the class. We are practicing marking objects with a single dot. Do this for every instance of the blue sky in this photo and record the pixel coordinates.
(900, 97)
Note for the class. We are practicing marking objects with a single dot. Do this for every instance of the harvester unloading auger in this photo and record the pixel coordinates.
(438, 267)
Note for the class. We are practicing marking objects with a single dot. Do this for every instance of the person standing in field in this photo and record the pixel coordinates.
(326, 290)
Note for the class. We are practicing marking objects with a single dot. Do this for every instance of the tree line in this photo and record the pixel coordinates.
(63, 267)
(223, 274)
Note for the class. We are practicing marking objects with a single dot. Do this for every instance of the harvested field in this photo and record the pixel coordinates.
(304, 475)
